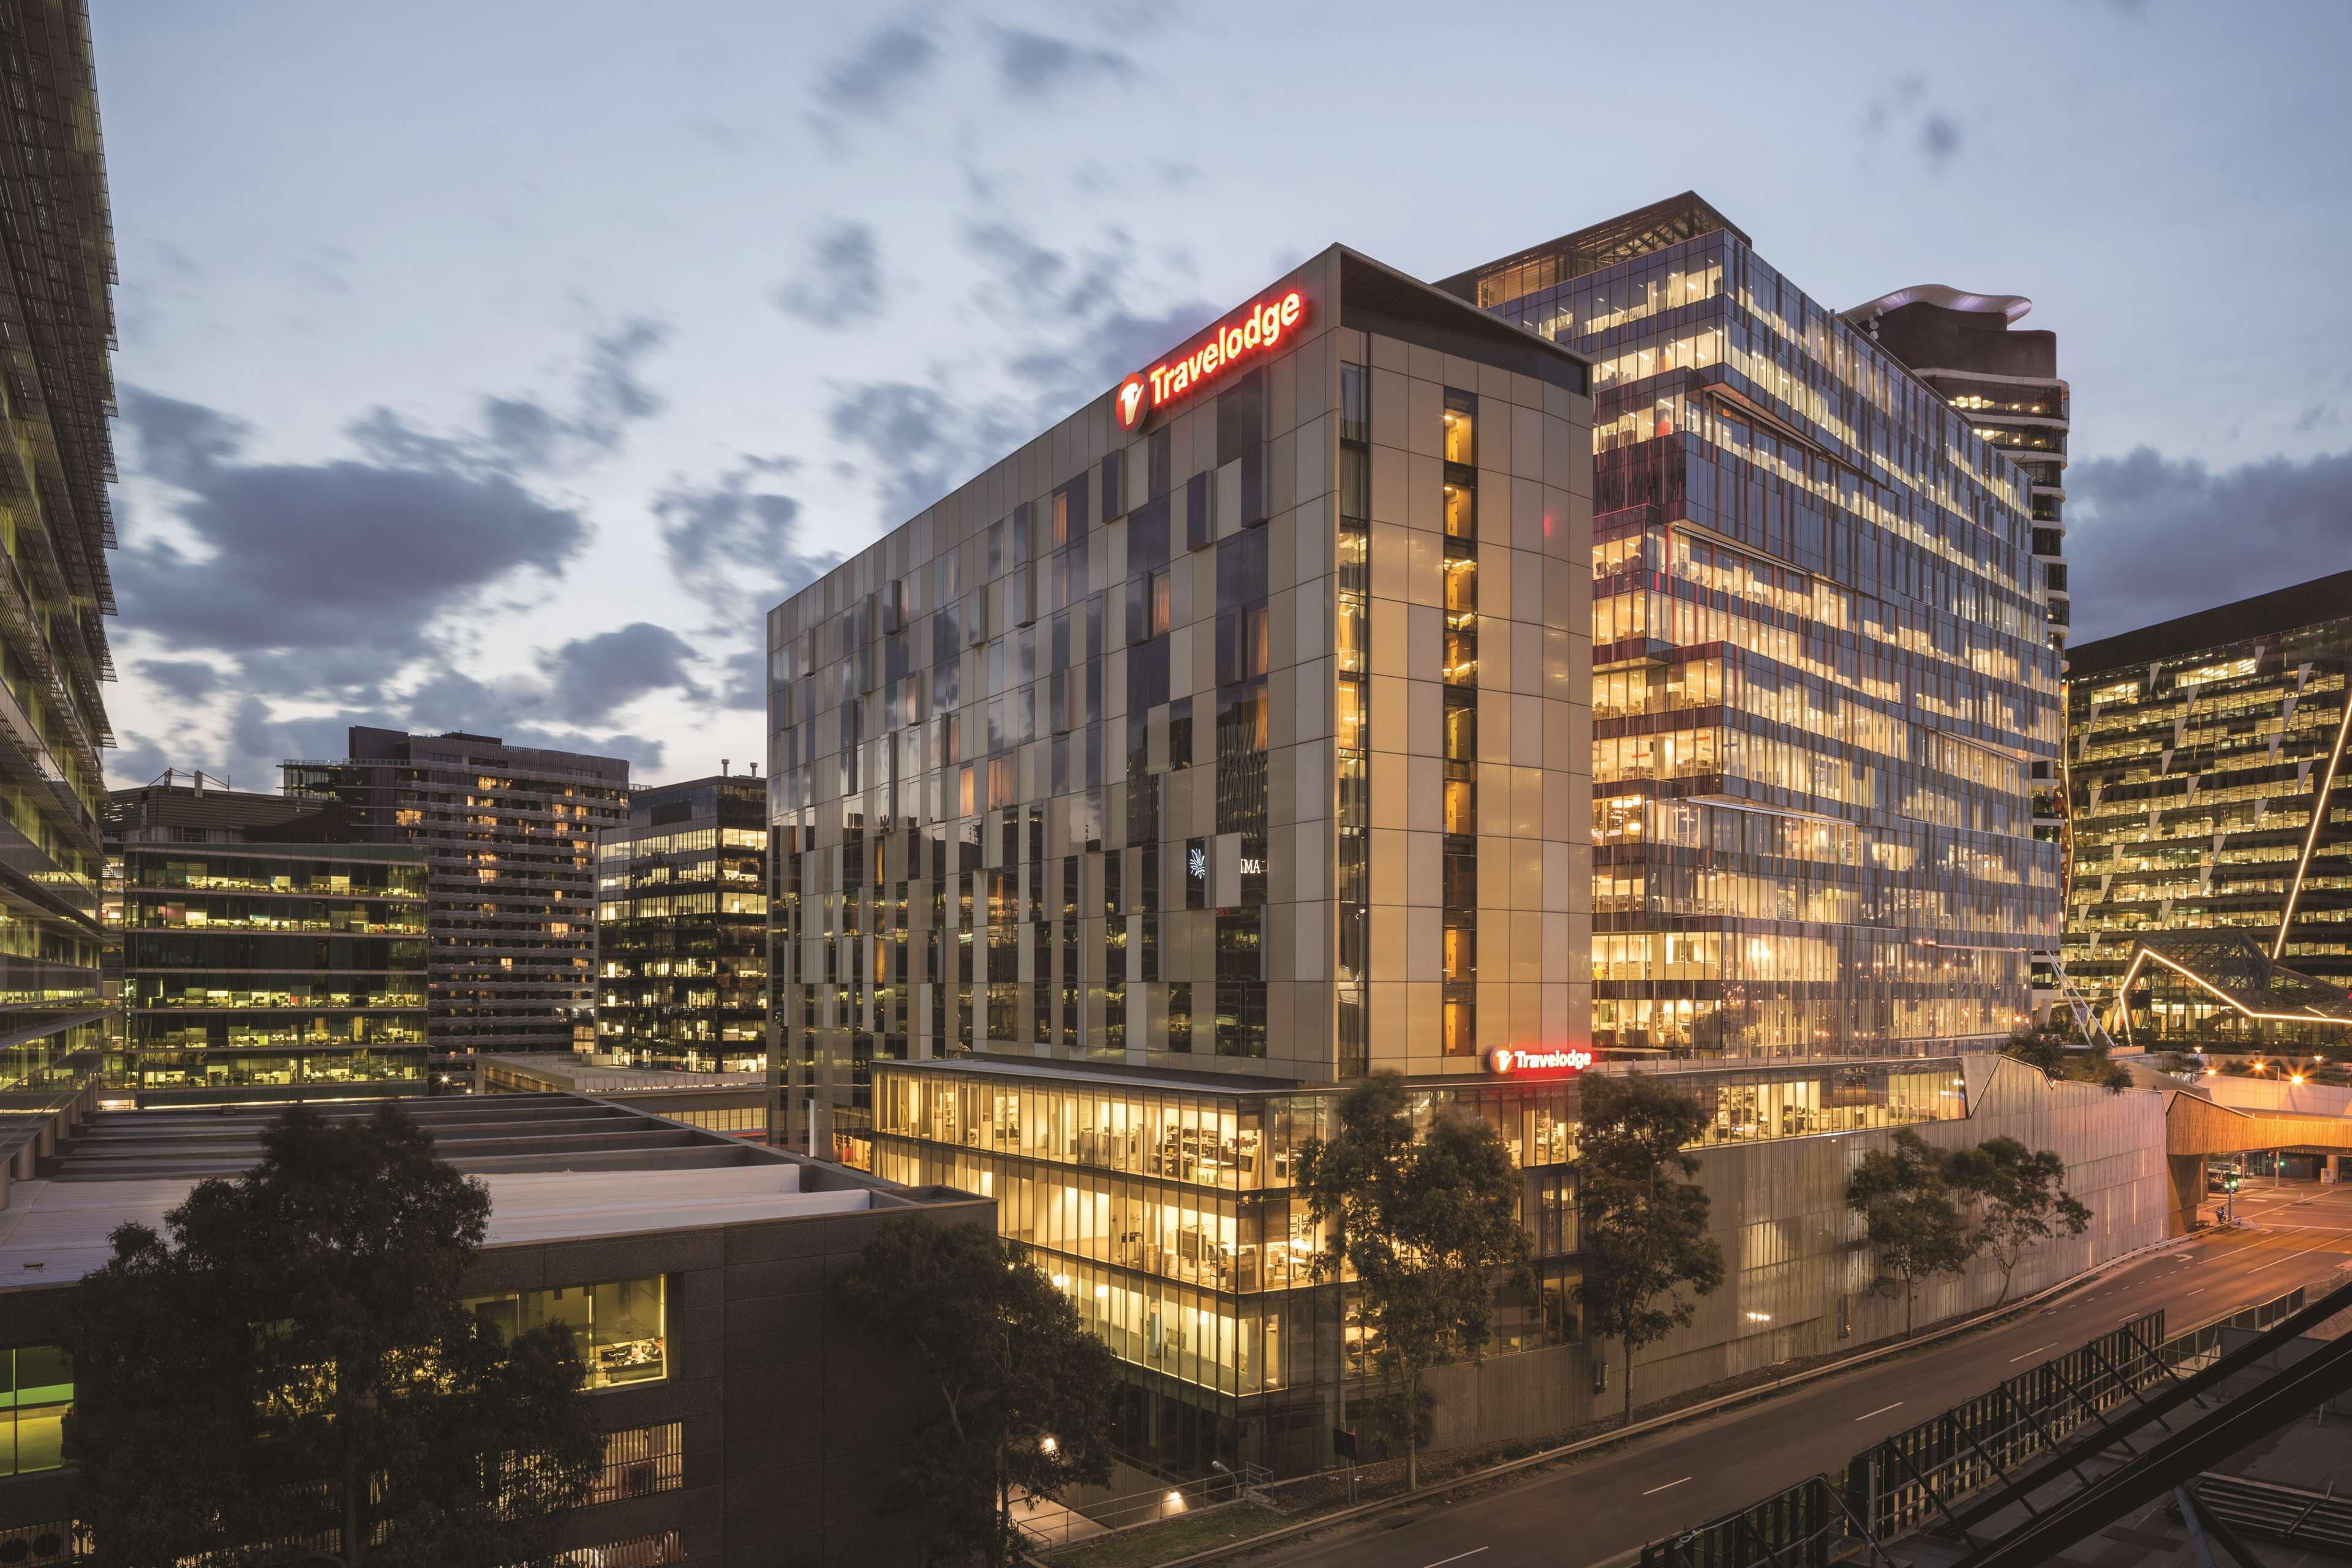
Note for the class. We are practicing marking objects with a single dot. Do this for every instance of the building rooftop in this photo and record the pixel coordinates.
(574, 1074)
(1590, 248)
(558, 1168)
(2325, 598)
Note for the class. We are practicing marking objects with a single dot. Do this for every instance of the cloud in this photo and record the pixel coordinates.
(735, 545)
(590, 678)
(873, 79)
(1067, 310)
(189, 679)
(343, 558)
(519, 435)
(843, 283)
(1037, 66)
(2150, 537)
(1905, 109)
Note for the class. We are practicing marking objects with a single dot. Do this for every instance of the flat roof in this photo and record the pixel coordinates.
(2280, 610)
(584, 1075)
(54, 1232)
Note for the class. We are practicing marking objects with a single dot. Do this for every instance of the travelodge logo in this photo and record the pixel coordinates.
(1505, 1061)
(1259, 329)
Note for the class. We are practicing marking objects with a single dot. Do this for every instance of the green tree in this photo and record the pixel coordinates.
(1917, 1214)
(2021, 1201)
(292, 1360)
(1018, 1393)
(1430, 1225)
(1640, 1220)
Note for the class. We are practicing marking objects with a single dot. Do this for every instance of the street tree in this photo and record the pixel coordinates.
(1428, 1222)
(2020, 1199)
(1640, 1220)
(1915, 1204)
(1017, 1392)
(290, 1362)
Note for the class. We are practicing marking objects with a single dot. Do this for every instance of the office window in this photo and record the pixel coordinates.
(620, 1327)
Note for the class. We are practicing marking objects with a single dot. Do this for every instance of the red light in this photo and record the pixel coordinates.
(1515, 1061)
(1256, 331)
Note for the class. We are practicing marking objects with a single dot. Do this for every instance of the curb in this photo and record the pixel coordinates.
(1669, 1418)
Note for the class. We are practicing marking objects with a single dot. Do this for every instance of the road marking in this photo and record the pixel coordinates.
(2201, 1290)
(2289, 1257)
(1474, 1552)
(2035, 1351)
(1651, 1492)
(1880, 1411)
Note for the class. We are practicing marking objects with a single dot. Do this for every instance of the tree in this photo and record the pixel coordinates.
(2024, 1202)
(291, 1362)
(1017, 1393)
(1641, 1221)
(1430, 1226)
(2062, 1054)
(1916, 1215)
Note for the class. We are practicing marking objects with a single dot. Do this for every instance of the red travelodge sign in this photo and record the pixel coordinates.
(1540, 1061)
(1245, 336)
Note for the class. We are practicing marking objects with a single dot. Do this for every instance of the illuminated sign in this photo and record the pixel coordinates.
(1507, 1060)
(1197, 863)
(1253, 865)
(1263, 326)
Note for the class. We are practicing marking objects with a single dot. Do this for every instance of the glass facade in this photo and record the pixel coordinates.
(1821, 673)
(682, 928)
(1164, 1208)
(256, 965)
(621, 1327)
(2209, 793)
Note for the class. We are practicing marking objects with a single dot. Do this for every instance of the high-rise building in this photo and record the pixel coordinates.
(266, 954)
(682, 927)
(1821, 665)
(2005, 380)
(1239, 720)
(2212, 878)
(57, 323)
(509, 838)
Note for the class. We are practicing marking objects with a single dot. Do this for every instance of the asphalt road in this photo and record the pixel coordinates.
(2295, 1234)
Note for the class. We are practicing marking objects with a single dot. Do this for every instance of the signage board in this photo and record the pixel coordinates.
(1537, 1061)
(1242, 338)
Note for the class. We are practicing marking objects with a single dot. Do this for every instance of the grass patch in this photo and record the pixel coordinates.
(1151, 1543)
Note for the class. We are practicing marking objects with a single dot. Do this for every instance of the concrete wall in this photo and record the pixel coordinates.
(1797, 1270)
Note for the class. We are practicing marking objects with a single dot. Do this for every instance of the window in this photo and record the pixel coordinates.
(40, 1391)
(1461, 427)
(621, 1328)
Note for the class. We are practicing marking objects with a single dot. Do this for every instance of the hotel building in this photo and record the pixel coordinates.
(682, 929)
(2211, 892)
(57, 323)
(1822, 664)
(266, 954)
(509, 839)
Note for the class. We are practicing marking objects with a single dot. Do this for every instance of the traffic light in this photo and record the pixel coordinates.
(2230, 1182)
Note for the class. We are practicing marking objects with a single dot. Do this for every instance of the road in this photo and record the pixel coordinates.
(2297, 1233)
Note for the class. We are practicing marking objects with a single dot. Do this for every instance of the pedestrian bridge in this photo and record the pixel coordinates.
(2195, 1127)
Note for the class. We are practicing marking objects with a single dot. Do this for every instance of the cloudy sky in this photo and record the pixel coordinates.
(493, 366)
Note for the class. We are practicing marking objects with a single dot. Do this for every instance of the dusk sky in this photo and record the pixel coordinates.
(495, 366)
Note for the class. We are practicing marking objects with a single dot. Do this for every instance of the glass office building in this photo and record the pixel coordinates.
(265, 954)
(682, 929)
(2211, 799)
(1822, 663)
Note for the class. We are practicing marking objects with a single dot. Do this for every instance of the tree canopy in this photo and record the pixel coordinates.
(1017, 1392)
(2021, 1201)
(1915, 1213)
(1430, 1226)
(290, 1362)
(1640, 1220)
